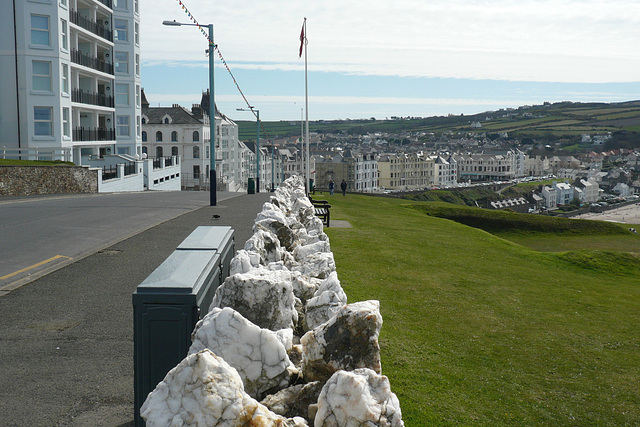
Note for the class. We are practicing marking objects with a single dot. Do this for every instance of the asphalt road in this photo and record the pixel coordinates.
(41, 234)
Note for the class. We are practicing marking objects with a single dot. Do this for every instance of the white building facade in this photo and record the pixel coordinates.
(70, 78)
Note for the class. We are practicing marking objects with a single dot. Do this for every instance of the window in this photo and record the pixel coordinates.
(40, 30)
(158, 151)
(196, 136)
(196, 171)
(137, 64)
(43, 121)
(138, 98)
(41, 77)
(138, 126)
(122, 62)
(122, 94)
(174, 151)
(135, 6)
(196, 152)
(174, 136)
(65, 78)
(121, 30)
(207, 151)
(144, 149)
(144, 137)
(166, 121)
(159, 137)
(144, 120)
(136, 32)
(65, 122)
(122, 126)
(121, 4)
(63, 35)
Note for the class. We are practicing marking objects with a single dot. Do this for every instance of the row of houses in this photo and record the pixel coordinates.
(564, 193)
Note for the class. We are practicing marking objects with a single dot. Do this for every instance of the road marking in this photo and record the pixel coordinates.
(15, 273)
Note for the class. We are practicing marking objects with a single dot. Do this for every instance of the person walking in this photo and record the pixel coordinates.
(343, 187)
(332, 186)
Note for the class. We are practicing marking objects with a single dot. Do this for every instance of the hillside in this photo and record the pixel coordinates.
(479, 330)
(559, 119)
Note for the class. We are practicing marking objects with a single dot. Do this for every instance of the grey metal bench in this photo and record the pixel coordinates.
(321, 209)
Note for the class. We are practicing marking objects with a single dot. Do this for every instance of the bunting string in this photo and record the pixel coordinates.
(226, 66)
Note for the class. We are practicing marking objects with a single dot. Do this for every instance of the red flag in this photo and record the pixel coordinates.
(301, 41)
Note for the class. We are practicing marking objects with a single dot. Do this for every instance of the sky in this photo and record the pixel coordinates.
(384, 58)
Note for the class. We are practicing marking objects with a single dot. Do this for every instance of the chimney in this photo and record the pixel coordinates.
(175, 106)
(196, 110)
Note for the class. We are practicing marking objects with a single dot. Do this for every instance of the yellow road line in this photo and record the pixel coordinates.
(34, 266)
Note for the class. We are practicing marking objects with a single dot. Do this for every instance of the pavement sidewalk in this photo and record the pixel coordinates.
(66, 339)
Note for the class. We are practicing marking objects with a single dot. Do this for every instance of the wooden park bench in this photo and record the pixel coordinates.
(321, 209)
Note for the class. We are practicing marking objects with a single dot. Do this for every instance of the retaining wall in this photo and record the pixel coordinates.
(31, 180)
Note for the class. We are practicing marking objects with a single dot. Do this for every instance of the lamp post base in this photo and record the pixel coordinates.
(213, 185)
(257, 185)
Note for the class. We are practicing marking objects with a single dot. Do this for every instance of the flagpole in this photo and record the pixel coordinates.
(306, 102)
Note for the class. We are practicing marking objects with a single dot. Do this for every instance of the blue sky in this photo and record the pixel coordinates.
(375, 58)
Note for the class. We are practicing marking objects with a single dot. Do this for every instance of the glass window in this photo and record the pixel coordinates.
(196, 135)
(166, 120)
(144, 136)
(122, 62)
(40, 30)
(174, 136)
(121, 4)
(43, 121)
(196, 172)
(158, 151)
(122, 126)
(63, 34)
(135, 6)
(41, 76)
(65, 122)
(65, 78)
(196, 152)
(136, 33)
(63, 2)
(122, 94)
(138, 126)
(174, 151)
(137, 64)
(121, 29)
(138, 97)
(159, 137)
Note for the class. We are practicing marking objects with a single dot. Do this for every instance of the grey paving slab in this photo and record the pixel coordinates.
(66, 339)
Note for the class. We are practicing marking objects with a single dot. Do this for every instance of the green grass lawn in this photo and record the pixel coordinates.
(479, 330)
(12, 162)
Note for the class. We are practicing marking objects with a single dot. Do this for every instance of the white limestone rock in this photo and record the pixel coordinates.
(358, 398)
(303, 251)
(204, 390)
(321, 308)
(244, 261)
(319, 265)
(332, 284)
(265, 243)
(262, 296)
(294, 401)
(348, 341)
(259, 355)
(304, 287)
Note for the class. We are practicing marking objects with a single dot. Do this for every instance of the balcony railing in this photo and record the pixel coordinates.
(90, 25)
(95, 134)
(98, 64)
(93, 98)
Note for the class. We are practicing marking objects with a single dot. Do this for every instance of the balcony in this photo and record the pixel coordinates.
(93, 98)
(95, 134)
(90, 25)
(108, 3)
(97, 64)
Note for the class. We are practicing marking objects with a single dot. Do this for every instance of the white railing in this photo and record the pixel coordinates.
(63, 154)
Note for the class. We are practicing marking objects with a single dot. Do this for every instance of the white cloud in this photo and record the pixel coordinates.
(533, 40)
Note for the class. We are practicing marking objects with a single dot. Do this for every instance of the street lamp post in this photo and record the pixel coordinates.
(273, 176)
(213, 198)
(257, 113)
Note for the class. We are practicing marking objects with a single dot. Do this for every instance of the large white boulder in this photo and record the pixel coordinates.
(264, 297)
(358, 398)
(203, 390)
(259, 355)
(348, 341)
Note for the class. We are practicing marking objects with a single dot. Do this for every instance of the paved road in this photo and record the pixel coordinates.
(41, 234)
(66, 339)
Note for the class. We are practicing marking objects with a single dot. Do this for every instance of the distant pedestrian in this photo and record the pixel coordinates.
(343, 187)
(332, 186)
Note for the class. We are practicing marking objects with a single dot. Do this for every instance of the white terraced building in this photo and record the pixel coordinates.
(70, 86)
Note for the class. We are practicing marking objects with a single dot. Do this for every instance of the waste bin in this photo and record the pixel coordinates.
(251, 186)
(170, 301)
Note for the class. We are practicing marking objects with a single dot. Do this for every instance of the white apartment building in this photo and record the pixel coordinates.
(70, 82)
(505, 165)
(359, 170)
(445, 171)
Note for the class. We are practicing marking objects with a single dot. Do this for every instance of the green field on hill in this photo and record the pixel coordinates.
(479, 330)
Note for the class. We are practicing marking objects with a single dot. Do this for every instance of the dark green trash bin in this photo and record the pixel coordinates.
(251, 187)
